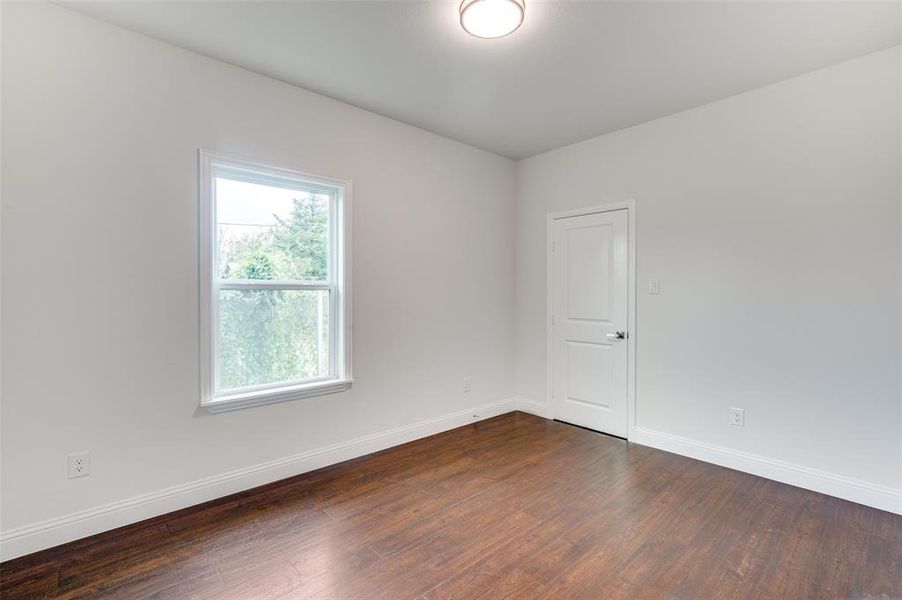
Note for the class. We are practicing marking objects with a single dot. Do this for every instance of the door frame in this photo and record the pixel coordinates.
(630, 206)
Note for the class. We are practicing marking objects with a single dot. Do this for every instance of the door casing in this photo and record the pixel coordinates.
(630, 207)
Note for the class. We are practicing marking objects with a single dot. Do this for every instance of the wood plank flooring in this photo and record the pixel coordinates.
(512, 507)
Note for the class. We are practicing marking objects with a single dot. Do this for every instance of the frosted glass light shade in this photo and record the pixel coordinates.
(491, 18)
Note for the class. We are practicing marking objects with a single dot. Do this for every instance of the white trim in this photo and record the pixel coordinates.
(274, 285)
(282, 393)
(205, 248)
(847, 488)
(339, 284)
(630, 207)
(532, 407)
(31, 538)
(267, 170)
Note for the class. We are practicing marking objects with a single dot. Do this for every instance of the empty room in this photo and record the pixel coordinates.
(443, 299)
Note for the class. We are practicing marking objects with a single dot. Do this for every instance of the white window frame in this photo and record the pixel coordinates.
(338, 284)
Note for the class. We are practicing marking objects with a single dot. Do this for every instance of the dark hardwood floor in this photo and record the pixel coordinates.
(513, 507)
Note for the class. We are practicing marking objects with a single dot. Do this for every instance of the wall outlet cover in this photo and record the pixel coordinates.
(79, 464)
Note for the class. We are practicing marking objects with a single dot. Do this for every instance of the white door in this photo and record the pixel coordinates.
(589, 316)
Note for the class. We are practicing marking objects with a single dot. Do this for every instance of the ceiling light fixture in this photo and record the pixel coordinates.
(491, 18)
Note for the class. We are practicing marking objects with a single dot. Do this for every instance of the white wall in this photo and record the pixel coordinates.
(772, 220)
(100, 314)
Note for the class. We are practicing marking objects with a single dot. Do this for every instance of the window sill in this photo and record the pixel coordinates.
(284, 394)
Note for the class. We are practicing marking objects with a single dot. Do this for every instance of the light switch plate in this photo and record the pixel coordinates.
(654, 286)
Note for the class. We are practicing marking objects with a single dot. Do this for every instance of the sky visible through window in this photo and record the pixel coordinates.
(234, 208)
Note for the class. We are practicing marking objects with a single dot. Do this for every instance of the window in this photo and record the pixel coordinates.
(274, 284)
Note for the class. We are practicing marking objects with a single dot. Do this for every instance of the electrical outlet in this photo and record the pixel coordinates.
(737, 417)
(79, 464)
(468, 383)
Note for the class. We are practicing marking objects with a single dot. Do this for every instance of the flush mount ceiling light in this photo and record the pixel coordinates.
(491, 18)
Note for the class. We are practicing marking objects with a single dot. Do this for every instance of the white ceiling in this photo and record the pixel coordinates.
(574, 70)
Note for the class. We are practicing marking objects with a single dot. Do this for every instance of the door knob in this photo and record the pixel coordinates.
(617, 335)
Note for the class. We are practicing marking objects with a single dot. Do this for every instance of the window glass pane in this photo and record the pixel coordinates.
(266, 232)
(272, 336)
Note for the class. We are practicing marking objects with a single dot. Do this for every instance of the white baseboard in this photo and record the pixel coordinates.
(847, 488)
(31, 538)
(532, 407)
